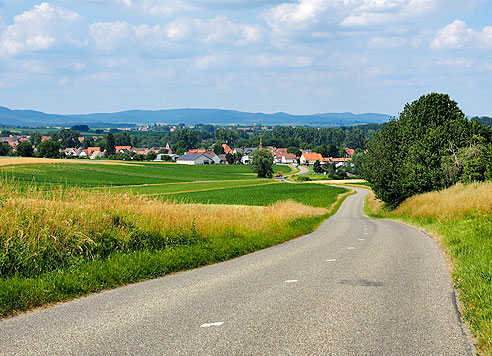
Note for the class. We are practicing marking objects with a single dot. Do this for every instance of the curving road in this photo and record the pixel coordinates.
(353, 287)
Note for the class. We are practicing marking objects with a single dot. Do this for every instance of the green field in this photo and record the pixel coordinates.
(94, 175)
(173, 188)
(317, 195)
(52, 249)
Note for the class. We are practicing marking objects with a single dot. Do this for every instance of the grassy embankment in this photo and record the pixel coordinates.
(72, 241)
(460, 218)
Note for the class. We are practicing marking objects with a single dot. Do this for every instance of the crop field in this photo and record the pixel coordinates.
(100, 174)
(187, 187)
(69, 229)
(316, 195)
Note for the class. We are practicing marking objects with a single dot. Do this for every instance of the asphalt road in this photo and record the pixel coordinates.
(353, 287)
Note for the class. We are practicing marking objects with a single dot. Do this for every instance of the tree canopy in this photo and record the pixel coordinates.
(410, 155)
(261, 162)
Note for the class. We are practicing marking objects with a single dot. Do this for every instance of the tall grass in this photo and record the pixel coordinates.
(59, 244)
(461, 218)
(43, 231)
(450, 204)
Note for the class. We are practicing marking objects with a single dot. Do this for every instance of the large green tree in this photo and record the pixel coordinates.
(49, 149)
(5, 149)
(261, 162)
(407, 156)
(110, 145)
(24, 149)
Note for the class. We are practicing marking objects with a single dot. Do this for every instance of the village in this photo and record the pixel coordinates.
(197, 156)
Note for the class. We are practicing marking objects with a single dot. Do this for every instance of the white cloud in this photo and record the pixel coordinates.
(42, 28)
(272, 60)
(457, 35)
(209, 61)
(327, 15)
(109, 36)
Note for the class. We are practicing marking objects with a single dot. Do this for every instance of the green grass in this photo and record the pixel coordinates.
(132, 258)
(18, 294)
(94, 175)
(468, 244)
(172, 188)
(317, 195)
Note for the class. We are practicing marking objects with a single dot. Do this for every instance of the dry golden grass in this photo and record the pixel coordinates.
(74, 216)
(375, 205)
(449, 204)
(12, 161)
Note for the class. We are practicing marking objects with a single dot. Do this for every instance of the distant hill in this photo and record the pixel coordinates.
(186, 116)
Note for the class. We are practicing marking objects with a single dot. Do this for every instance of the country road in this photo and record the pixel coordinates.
(353, 287)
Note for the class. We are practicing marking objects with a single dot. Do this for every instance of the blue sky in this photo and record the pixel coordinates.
(296, 56)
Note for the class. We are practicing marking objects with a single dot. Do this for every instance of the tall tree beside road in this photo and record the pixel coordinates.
(408, 156)
(261, 162)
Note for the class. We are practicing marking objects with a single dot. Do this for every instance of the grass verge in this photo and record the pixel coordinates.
(460, 219)
(60, 245)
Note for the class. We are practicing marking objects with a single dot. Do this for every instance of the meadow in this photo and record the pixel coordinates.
(85, 233)
(97, 174)
(317, 195)
(460, 219)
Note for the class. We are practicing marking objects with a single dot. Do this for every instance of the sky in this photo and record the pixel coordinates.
(295, 56)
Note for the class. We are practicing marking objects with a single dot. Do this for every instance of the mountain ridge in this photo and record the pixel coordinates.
(188, 116)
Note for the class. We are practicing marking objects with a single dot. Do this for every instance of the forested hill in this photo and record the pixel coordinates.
(188, 117)
(484, 120)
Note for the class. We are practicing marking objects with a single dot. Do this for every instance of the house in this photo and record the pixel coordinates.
(123, 149)
(194, 159)
(311, 157)
(245, 153)
(161, 155)
(227, 149)
(215, 158)
(142, 151)
(223, 159)
(338, 162)
(349, 151)
(90, 150)
(96, 154)
(281, 156)
(168, 148)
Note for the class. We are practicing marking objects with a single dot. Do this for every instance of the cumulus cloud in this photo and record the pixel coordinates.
(43, 27)
(326, 15)
(172, 7)
(111, 35)
(457, 35)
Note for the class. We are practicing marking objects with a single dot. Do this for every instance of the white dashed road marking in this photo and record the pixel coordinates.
(361, 239)
(351, 248)
(206, 325)
(291, 281)
(333, 260)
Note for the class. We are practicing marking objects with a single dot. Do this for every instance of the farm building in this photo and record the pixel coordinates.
(195, 159)
(310, 157)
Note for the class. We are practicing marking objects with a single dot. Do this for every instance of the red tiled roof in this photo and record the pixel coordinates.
(199, 152)
(227, 149)
(312, 156)
(119, 148)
